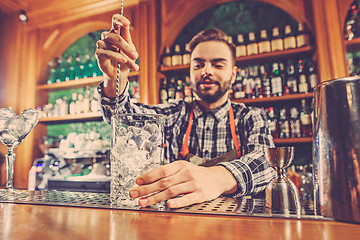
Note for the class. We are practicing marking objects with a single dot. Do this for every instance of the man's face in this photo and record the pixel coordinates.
(211, 70)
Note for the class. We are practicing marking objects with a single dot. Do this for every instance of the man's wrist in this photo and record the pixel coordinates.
(229, 183)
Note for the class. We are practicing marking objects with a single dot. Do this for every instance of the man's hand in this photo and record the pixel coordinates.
(116, 47)
(197, 184)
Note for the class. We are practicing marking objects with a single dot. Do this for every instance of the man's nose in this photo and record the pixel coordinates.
(207, 70)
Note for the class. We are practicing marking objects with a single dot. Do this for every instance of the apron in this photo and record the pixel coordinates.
(231, 155)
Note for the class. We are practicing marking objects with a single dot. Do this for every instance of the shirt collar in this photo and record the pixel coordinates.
(218, 113)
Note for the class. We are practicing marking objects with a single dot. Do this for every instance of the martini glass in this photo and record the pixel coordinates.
(13, 129)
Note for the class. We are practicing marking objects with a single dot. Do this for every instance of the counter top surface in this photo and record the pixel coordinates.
(25, 221)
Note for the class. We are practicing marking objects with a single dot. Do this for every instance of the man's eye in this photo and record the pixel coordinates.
(219, 65)
(198, 65)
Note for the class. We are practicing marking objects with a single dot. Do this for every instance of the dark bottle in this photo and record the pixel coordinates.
(284, 124)
(303, 85)
(238, 90)
(264, 43)
(265, 81)
(163, 91)
(176, 58)
(305, 120)
(59, 70)
(276, 81)
(273, 123)
(295, 126)
(303, 36)
(291, 81)
(257, 90)
(171, 90)
(186, 54)
(248, 82)
(312, 75)
(252, 46)
(179, 93)
(277, 43)
(187, 90)
(166, 57)
(241, 46)
(289, 39)
(79, 67)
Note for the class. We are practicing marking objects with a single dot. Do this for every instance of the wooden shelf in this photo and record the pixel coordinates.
(353, 45)
(258, 58)
(274, 99)
(92, 81)
(292, 140)
(84, 117)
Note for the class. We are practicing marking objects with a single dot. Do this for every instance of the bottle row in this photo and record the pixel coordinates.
(256, 81)
(290, 122)
(276, 79)
(352, 22)
(83, 101)
(71, 68)
(247, 44)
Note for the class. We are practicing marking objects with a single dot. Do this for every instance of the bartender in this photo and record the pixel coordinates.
(214, 146)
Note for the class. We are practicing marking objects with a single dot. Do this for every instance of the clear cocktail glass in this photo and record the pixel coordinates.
(13, 129)
(137, 146)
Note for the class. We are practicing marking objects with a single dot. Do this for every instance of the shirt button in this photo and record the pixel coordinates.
(207, 128)
(206, 152)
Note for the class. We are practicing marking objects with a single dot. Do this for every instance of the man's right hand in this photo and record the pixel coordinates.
(116, 47)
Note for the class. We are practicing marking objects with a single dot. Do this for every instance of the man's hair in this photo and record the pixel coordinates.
(213, 34)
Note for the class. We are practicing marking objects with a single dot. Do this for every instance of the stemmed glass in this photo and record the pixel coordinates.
(282, 196)
(13, 129)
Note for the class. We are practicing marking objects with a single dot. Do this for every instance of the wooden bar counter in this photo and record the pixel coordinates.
(25, 221)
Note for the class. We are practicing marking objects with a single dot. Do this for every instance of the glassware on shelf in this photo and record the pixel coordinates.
(282, 196)
(13, 129)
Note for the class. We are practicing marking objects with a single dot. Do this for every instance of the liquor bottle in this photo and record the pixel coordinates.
(289, 39)
(171, 90)
(72, 105)
(257, 92)
(241, 46)
(305, 120)
(59, 77)
(94, 102)
(86, 101)
(166, 57)
(252, 47)
(265, 80)
(71, 68)
(291, 81)
(176, 58)
(89, 65)
(264, 43)
(186, 54)
(277, 43)
(238, 85)
(351, 65)
(303, 36)
(50, 76)
(352, 24)
(79, 104)
(248, 82)
(163, 91)
(179, 93)
(282, 74)
(276, 81)
(273, 123)
(79, 68)
(295, 126)
(284, 124)
(66, 69)
(312, 75)
(187, 90)
(63, 107)
(303, 85)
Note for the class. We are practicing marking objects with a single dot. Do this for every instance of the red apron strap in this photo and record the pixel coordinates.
(185, 146)
(233, 132)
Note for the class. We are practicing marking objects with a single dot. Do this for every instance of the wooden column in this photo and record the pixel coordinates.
(148, 19)
(329, 39)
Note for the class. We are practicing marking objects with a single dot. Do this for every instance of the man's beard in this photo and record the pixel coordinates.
(212, 97)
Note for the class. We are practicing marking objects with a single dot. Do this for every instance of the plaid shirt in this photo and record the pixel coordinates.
(211, 135)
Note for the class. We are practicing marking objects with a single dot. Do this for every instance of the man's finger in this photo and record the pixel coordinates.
(185, 200)
(159, 173)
